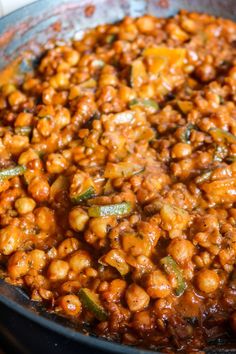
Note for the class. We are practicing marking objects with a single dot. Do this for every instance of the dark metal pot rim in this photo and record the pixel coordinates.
(91, 341)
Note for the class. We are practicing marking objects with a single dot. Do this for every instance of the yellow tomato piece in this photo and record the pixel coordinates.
(185, 106)
(157, 64)
(174, 56)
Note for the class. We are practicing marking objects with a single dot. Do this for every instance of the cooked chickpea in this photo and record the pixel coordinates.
(181, 150)
(72, 57)
(59, 81)
(78, 219)
(146, 24)
(16, 144)
(7, 89)
(48, 94)
(24, 205)
(128, 32)
(56, 163)
(30, 84)
(203, 259)
(45, 219)
(58, 270)
(45, 294)
(23, 119)
(100, 226)
(16, 98)
(18, 264)
(62, 118)
(181, 250)
(207, 223)
(70, 304)
(80, 260)
(206, 72)
(232, 73)
(157, 285)
(136, 298)
(107, 80)
(35, 280)
(115, 291)
(39, 189)
(27, 156)
(67, 246)
(175, 32)
(207, 281)
(91, 272)
(11, 238)
(70, 286)
(45, 126)
(143, 320)
(189, 25)
(37, 259)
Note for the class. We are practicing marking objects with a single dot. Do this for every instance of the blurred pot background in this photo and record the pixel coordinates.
(7, 6)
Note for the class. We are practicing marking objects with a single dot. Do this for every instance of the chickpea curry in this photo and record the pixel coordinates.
(118, 181)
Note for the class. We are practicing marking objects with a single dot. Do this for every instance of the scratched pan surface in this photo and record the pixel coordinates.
(24, 326)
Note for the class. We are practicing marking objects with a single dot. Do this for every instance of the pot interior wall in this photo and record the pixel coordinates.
(33, 25)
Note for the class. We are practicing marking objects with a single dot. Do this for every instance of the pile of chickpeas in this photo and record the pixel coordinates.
(150, 129)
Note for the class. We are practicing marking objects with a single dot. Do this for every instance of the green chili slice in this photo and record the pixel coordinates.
(119, 209)
(91, 302)
(172, 268)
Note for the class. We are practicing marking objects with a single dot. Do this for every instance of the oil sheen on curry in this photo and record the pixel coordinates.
(118, 181)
